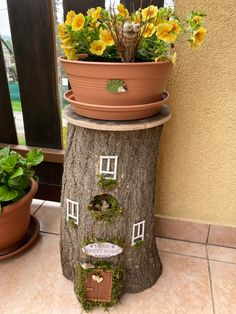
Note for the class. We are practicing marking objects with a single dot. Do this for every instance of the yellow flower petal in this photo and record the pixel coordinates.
(69, 17)
(176, 28)
(106, 37)
(97, 47)
(149, 30)
(78, 22)
(70, 54)
(91, 11)
(197, 19)
(149, 12)
(62, 31)
(198, 37)
(66, 43)
(97, 13)
(164, 33)
(122, 10)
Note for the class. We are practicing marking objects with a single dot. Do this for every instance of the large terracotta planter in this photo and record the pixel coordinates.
(14, 221)
(145, 82)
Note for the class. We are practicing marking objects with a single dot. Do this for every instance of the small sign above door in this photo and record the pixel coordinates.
(102, 249)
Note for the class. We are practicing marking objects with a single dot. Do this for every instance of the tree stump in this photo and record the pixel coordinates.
(132, 148)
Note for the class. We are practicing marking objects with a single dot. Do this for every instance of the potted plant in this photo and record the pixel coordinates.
(118, 62)
(18, 185)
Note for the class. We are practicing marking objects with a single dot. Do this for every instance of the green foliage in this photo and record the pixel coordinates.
(105, 207)
(15, 173)
(139, 244)
(107, 184)
(72, 224)
(117, 280)
(115, 86)
(126, 33)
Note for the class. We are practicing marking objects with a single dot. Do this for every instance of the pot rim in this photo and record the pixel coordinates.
(63, 59)
(69, 97)
(17, 204)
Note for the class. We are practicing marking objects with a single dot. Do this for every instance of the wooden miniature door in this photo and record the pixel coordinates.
(98, 286)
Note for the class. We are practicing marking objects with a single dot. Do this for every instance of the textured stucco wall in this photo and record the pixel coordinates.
(197, 161)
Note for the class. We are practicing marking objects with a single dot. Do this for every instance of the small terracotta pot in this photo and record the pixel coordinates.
(145, 81)
(14, 221)
(113, 112)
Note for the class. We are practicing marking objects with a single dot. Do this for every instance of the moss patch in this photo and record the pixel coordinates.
(117, 280)
(105, 207)
(107, 184)
(71, 224)
(139, 244)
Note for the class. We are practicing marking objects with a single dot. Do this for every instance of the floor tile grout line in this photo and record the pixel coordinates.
(176, 239)
(208, 234)
(221, 245)
(202, 243)
(181, 254)
(39, 207)
(219, 261)
(210, 281)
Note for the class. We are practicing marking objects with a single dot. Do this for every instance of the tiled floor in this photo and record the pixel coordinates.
(197, 278)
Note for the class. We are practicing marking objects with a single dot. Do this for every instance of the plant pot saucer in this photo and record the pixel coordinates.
(30, 238)
(115, 112)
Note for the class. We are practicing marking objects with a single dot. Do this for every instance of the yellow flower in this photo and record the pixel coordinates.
(91, 11)
(69, 17)
(66, 43)
(164, 33)
(62, 31)
(78, 22)
(176, 28)
(106, 37)
(97, 13)
(136, 17)
(149, 12)
(97, 47)
(95, 24)
(149, 30)
(197, 19)
(70, 53)
(122, 10)
(198, 37)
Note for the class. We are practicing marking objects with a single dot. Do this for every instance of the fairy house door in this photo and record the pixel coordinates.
(98, 286)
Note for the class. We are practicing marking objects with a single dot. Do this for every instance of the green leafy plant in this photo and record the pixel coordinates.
(107, 184)
(116, 34)
(15, 174)
(117, 281)
(105, 207)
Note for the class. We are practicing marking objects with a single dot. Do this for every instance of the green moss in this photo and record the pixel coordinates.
(117, 280)
(105, 207)
(107, 184)
(71, 223)
(138, 244)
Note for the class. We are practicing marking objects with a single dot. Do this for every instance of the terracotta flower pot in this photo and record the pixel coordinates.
(143, 83)
(14, 221)
(113, 112)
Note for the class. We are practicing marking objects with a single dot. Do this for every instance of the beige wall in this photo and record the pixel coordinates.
(197, 161)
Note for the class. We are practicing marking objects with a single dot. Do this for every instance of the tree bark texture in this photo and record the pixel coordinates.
(136, 174)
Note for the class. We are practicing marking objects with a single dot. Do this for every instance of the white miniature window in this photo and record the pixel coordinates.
(108, 166)
(72, 211)
(138, 232)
